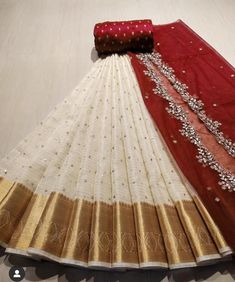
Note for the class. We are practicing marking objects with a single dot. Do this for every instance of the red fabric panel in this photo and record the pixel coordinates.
(207, 74)
(115, 37)
(209, 77)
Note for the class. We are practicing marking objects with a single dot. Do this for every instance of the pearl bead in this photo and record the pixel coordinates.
(175, 141)
(5, 171)
(217, 199)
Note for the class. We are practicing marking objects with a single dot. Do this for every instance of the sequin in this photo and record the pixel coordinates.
(204, 156)
(196, 105)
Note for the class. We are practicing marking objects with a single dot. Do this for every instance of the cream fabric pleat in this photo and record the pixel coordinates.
(93, 185)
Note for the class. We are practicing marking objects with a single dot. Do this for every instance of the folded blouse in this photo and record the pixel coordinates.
(116, 37)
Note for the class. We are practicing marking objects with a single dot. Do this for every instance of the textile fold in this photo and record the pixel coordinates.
(95, 186)
(189, 93)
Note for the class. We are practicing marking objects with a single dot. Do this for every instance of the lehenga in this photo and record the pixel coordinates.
(94, 184)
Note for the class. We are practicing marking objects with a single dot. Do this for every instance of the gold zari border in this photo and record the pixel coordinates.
(79, 230)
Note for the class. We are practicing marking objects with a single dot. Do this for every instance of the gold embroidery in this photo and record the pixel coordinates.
(214, 230)
(195, 229)
(124, 235)
(50, 234)
(77, 241)
(101, 233)
(176, 243)
(14, 200)
(79, 230)
(149, 236)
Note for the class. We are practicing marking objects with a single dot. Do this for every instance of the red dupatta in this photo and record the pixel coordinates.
(194, 109)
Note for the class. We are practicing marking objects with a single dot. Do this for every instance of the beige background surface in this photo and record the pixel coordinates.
(46, 47)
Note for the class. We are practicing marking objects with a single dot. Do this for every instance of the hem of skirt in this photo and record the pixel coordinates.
(214, 261)
(99, 264)
(118, 265)
(39, 254)
(4, 245)
(43, 254)
(18, 252)
(182, 265)
(154, 264)
(207, 258)
(226, 251)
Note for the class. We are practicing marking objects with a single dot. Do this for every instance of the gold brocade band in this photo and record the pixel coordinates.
(214, 230)
(14, 201)
(94, 234)
(76, 246)
(176, 244)
(124, 235)
(198, 235)
(101, 233)
(149, 236)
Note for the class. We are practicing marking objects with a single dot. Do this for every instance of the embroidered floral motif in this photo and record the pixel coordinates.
(196, 105)
(204, 156)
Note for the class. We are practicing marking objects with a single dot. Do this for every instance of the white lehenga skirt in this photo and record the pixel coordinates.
(93, 185)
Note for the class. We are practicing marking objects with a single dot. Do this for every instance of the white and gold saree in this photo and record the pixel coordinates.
(94, 185)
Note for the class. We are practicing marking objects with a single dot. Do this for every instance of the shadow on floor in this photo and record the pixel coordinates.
(94, 55)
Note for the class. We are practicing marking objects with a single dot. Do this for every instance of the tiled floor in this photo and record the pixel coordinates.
(46, 46)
